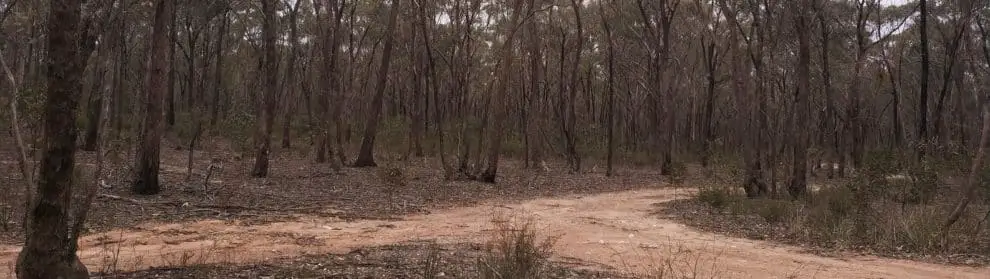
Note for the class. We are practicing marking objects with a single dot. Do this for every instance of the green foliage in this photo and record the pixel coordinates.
(240, 128)
(716, 196)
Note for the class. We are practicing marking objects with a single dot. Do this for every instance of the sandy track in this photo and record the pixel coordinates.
(600, 231)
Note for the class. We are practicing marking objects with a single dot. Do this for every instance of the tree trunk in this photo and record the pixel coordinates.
(972, 181)
(799, 182)
(923, 101)
(94, 112)
(611, 94)
(218, 86)
(159, 66)
(270, 75)
(366, 157)
(50, 248)
(290, 76)
(170, 94)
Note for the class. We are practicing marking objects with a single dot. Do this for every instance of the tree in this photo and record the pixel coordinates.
(925, 61)
(146, 182)
(290, 75)
(799, 180)
(366, 157)
(50, 246)
(611, 92)
(504, 68)
(269, 73)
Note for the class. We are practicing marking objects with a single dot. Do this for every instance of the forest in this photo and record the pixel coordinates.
(476, 138)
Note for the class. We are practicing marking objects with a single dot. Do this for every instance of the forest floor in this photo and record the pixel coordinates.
(612, 232)
(307, 221)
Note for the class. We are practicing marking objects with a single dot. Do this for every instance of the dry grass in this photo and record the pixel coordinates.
(515, 251)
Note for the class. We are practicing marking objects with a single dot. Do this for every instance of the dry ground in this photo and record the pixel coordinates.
(296, 187)
(613, 232)
(306, 221)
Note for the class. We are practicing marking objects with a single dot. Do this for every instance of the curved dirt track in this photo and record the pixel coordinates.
(601, 231)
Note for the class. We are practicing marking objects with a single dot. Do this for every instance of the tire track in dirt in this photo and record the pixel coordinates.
(608, 230)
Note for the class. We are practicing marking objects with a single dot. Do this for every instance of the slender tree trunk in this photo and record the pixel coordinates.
(290, 76)
(94, 112)
(270, 76)
(366, 156)
(172, 73)
(923, 101)
(159, 66)
(799, 182)
(498, 111)
(972, 181)
(49, 249)
(218, 86)
(611, 94)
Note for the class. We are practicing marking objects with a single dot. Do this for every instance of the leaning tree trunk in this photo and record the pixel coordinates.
(147, 182)
(49, 248)
(972, 182)
(270, 74)
(366, 157)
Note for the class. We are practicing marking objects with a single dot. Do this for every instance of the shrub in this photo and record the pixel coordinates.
(717, 197)
(514, 251)
(678, 172)
(775, 211)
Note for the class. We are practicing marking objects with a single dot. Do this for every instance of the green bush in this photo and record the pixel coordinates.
(717, 197)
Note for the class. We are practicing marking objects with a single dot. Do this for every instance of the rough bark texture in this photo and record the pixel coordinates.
(366, 157)
(270, 75)
(49, 247)
(146, 182)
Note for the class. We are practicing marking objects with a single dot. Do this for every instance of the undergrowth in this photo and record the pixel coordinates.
(892, 206)
(515, 251)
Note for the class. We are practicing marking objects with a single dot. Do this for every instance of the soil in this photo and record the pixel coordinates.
(606, 232)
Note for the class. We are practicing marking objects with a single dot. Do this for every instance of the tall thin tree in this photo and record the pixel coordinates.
(366, 157)
(269, 73)
(147, 182)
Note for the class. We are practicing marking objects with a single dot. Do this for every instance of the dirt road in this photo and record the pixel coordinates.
(609, 230)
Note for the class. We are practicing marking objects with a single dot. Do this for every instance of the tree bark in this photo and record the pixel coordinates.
(290, 76)
(923, 100)
(270, 75)
(798, 186)
(498, 111)
(366, 156)
(972, 181)
(146, 182)
(611, 94)
(50, 248)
